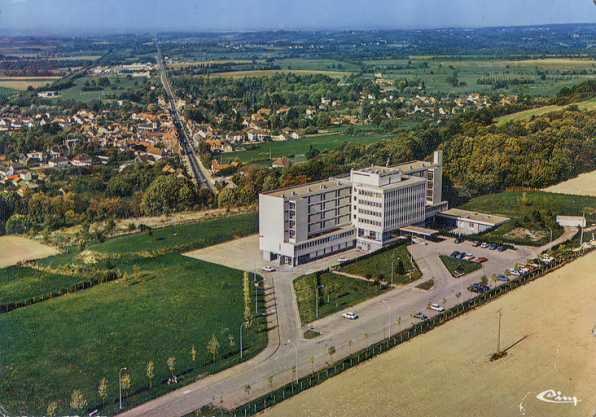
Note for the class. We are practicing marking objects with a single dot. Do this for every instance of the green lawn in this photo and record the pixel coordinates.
(459, 267)
(379, 267)
(76, 92)
(270, 151)
(526, 115)
(338, 293)
(20, 284)
(71, 342)
(521, 211)
(162, 306)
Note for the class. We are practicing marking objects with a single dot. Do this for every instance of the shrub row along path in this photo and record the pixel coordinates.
(227, 388)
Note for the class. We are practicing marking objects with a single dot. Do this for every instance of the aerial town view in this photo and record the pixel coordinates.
(297, 209)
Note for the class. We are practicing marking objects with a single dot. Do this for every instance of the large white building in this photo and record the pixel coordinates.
(365, 209)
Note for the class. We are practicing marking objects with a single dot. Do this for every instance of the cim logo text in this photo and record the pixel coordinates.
(554, 397)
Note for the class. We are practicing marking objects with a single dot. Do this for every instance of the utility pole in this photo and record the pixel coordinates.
(499, 333)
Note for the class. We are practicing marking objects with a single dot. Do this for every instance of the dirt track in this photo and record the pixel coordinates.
(14, 249)
(447, 372)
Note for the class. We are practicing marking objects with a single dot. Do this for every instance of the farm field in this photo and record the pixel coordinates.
(14, 249)
(448, 371)
(584, 184)
(298, 147)
(263, 73)
(21, 83)
(76, 92)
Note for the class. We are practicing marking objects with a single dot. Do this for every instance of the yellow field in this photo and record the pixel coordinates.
(14, 249)
(547, 327)
(21, 83)
(264, 73)
(584, 184)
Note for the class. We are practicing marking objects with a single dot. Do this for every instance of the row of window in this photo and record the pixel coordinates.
(327, 239)
(371, 222)
(369, 212)
(370, 193)
(371, 203)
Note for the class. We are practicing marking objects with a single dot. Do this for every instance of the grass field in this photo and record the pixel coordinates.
(526, 115)
(186, 237)
(338, 293)
(324, 65)
(379, 267)
(469, 71)
(263, 73)
(21, 284)
(298, 147)
(448, 372)
(458, 267)
(76, 93)
(513, 204)
(163, 305)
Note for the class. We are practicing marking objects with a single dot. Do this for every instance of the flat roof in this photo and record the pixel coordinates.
(474, 216)
(423, 231)
(306, 189)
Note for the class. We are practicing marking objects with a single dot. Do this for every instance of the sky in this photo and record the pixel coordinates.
(69, 17)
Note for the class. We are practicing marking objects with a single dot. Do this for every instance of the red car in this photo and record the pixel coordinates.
(481, 259)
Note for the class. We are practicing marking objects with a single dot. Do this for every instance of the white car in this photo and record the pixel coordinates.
(349, 315)
(342, 260)
(268, 268)
(515, 272)
(436, 307)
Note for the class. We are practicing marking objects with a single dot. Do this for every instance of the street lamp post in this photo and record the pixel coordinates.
(241, 338)
(295, 347)
(550, 246)
(120, 384)
(317, 302)
(256, 295)
(384, 302)
(393, 269)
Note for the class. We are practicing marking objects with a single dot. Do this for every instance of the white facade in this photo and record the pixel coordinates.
(365, 210)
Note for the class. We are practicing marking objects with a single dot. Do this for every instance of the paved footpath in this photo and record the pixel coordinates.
(378, 317)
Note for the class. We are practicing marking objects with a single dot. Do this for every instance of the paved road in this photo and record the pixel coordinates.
(226, 389)
(190, 158)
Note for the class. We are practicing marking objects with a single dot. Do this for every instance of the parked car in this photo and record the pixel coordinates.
(476, 287)
(502, 248)
(515, 272)
(476, 244)
(481, 259)
(485, 245)
(468, 257)
(459, 239)
(342, 259)
(454, 254)
(268, 268)
(350, 315)
(502, 277)
(460, 255)
(493, 246)
(418, 315)
(436, 307)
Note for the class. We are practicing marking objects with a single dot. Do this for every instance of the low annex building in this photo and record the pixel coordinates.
(470, 222)
(364, 209)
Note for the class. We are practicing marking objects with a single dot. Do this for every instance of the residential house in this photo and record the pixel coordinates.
(58, 162)
(82, 160)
